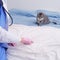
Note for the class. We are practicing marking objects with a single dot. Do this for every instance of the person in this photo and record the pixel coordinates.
(3, 31)
(6, 37)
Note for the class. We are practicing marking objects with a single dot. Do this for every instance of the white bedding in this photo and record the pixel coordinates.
(46, 44)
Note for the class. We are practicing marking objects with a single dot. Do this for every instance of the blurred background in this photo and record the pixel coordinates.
(51, 5)
(25, 11)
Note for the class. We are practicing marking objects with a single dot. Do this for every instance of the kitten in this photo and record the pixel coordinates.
(42, 19)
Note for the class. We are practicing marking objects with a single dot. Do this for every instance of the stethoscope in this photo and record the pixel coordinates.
(1, 3)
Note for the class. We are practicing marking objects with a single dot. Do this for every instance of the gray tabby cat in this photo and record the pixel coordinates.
(42, 19)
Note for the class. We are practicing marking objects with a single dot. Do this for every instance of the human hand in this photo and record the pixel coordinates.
(26, 41)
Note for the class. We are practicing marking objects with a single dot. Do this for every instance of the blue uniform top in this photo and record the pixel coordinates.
(3, 24)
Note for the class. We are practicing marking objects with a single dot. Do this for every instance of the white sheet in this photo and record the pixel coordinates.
(46, 44)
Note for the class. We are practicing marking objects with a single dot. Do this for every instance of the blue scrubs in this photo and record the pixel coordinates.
(3, 24)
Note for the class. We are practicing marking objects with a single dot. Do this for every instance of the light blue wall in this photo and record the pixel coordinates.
(52, 5)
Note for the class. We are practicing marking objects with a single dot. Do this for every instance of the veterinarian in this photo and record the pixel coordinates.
(5, 36)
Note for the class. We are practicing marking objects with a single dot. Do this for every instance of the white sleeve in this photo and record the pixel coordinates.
(7, 37)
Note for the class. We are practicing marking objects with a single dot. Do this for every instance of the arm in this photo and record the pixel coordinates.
(7, 37)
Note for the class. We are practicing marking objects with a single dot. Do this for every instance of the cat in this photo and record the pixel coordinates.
(42, 19)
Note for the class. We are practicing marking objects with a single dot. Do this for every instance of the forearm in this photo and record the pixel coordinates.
(7, 37)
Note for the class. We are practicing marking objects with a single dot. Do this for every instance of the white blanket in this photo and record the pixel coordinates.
(46, 44)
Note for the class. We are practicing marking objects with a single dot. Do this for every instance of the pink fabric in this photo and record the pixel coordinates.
(26, 41)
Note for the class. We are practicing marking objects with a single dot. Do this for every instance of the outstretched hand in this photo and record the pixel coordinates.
(25, 41)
